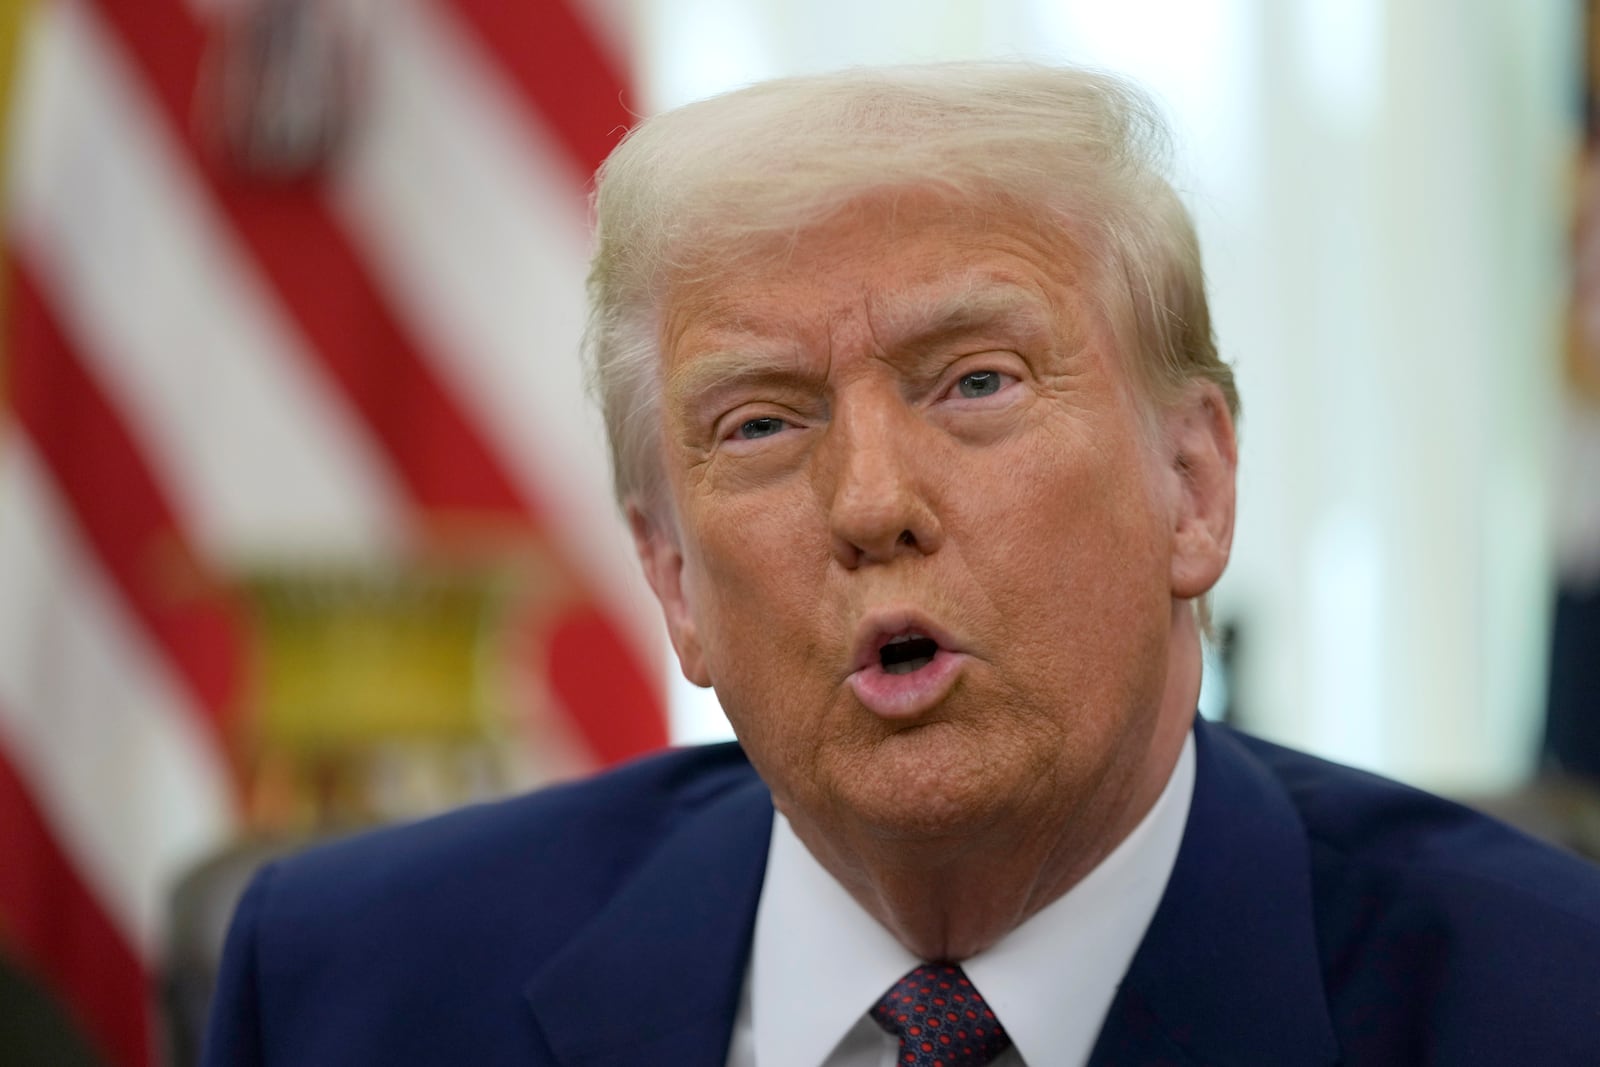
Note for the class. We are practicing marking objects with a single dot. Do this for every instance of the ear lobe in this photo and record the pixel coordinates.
(662, 559)
(1204, 454)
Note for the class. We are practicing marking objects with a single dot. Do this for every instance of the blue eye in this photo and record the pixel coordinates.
(766, 426)
(979, 384)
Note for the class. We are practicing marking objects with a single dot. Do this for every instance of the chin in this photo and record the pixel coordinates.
(933, 820)
(925, 783)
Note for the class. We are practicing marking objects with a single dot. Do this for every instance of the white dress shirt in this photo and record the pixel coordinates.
(819, 961)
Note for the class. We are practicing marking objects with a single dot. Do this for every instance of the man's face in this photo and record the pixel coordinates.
(925, 547)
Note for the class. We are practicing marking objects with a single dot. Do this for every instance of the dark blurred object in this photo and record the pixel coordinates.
(1572, 717)
(1558, 808)
(34, 1031)
(1230, 654)
(1572, 725)
(1562, 805)
(278, 94)
(200, 910)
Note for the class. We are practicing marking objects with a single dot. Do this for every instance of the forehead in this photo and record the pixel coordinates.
(879, 273)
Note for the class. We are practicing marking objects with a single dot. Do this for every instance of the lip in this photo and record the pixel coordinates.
(902, 696)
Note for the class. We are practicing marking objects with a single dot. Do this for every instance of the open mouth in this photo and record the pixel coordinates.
(904, 665)
(906, 653)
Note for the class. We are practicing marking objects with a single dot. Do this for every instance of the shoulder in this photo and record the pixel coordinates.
(567, 842)
(1434, 917)
(1364, 823)
(413, 944)
(487, 887)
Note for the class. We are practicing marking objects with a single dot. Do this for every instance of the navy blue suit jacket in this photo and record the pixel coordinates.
(1315, 916)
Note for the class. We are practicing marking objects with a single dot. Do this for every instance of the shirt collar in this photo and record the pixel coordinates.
(819, 961)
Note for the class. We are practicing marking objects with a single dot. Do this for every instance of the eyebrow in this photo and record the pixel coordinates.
(918, 324)
(740, 366)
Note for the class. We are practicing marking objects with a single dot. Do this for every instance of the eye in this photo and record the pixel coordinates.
(765, 426)
(981, 383)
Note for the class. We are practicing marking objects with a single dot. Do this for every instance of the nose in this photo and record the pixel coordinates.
(880, 505)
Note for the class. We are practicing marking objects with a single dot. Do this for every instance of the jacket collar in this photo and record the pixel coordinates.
(656, 976)
(1228, 971)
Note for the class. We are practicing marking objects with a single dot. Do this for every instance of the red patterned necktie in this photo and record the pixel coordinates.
(940, 1019)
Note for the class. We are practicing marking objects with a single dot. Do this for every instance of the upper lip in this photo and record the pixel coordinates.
(879, 628)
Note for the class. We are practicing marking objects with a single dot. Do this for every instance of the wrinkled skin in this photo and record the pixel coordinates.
(920, 413)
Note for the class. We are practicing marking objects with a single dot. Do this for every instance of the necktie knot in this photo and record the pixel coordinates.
(940, 1019)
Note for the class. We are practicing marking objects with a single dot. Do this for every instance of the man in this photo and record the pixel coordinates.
(929, 458)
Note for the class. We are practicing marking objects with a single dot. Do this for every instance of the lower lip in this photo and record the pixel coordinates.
(905, 696)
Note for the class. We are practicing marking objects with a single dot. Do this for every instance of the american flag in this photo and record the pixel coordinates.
(205, 364)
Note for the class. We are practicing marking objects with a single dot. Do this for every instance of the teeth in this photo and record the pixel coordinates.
(903, 638)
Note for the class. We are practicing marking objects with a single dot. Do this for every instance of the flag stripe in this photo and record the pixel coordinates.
(270, 462)
(210, 369)
(117, 503)
(434, 448)
(486, 264)
(52, 923)
(589, 667)
(589, 663)
(105, 734)
(420, 423)
(562, 72)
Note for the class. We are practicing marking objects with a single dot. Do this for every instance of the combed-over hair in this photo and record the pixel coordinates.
(696, 188)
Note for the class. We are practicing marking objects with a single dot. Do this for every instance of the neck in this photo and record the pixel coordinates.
(951, 898)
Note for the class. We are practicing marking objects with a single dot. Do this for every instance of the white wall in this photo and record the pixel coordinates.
(1380, 190)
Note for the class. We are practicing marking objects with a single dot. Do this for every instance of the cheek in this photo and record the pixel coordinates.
(1074, 540)
(755, 567)
(758, 540)
(765, 636)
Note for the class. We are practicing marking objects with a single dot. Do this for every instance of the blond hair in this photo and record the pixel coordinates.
(1081, 152)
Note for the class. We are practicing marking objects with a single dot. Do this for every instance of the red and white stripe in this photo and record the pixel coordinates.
(208, 371)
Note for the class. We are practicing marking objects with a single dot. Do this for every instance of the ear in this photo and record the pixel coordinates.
(1203, 453)
(662, 559)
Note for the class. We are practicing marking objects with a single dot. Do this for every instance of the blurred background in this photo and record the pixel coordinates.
(305, 523)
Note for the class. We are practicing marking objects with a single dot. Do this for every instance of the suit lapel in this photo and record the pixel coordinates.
(655, 978)
(1228, 972)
